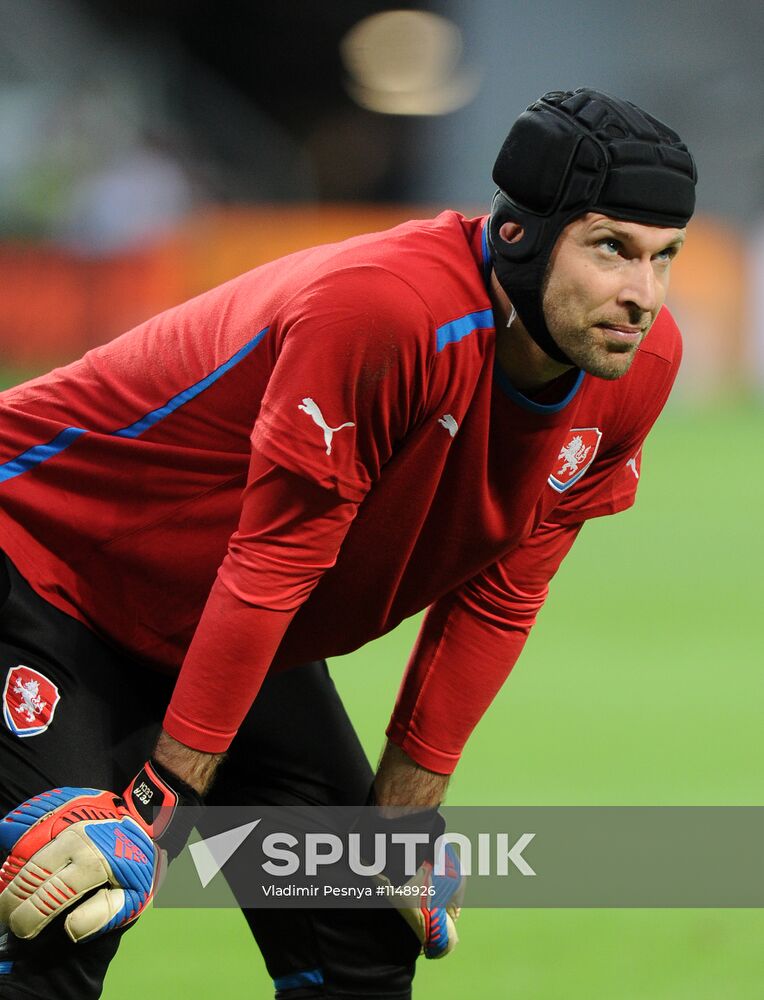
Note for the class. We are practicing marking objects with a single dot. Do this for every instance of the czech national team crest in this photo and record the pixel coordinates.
(29, 701)
(576, 455)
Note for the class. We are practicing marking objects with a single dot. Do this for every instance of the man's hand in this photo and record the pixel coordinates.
(407, 796)
(64, 843)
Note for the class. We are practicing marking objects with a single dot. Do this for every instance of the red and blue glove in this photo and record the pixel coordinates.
(434, 905)
(430, 900)
(66, 842)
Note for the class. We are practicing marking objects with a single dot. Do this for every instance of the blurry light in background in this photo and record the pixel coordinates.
(407, 62)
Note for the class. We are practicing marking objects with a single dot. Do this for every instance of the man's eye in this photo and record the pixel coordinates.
(612, 246)
(668, 254)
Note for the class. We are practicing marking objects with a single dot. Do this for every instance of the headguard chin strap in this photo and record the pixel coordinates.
(571, 153)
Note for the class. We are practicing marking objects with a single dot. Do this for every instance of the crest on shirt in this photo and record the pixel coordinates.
(576, 455)
(29, 701)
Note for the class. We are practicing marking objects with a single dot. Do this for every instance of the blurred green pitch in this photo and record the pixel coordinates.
(641, 685)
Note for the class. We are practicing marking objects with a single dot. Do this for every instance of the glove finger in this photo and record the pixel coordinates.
(68, 847)
(447, 880)
(70, 860)
(440, 933)
(132, 873)
(94, 915)
(104, 911)
(42, 905)
(434, 928)
(20, 876)
(54, 878)
(439, 911)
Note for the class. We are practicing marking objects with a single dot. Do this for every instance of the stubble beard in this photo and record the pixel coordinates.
(589, 350)
(583, 340)
(587, 345)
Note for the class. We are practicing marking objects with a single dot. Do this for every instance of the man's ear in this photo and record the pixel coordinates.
(511, 232)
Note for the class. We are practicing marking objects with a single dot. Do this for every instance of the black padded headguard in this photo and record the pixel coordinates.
(570, 153)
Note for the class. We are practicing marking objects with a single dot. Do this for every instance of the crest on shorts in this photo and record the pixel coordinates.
(576, 455)
(29, 701)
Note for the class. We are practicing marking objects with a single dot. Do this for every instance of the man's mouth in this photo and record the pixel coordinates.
(624, 333)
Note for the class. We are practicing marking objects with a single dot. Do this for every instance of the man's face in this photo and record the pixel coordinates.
(605, 284)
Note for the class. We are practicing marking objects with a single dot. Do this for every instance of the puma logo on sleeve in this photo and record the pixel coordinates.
(449, 423)
(311, 407)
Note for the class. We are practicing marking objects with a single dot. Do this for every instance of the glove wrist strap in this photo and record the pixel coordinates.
(164, 805)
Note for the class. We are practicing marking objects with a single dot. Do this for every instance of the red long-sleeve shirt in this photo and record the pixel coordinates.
(290, 464)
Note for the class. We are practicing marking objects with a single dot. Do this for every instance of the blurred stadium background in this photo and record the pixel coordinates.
(153, 149)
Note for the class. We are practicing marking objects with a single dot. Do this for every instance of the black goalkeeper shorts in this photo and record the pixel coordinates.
(296, 746)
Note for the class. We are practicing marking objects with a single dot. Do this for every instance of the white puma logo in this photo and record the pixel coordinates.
(449, 423)
(311, 407)
(632, 464)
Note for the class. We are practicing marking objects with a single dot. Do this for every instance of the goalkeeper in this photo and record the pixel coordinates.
(284, 468)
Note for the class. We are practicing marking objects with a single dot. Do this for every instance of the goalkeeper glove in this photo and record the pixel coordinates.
(430, 900)
(64, 843)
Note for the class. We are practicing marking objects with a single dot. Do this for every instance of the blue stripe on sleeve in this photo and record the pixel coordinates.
(40, 453)
(458, 329)
(150, 419)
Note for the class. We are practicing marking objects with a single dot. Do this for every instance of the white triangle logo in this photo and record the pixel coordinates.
(211, 854)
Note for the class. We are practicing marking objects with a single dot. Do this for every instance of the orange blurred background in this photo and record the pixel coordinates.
(57, 304)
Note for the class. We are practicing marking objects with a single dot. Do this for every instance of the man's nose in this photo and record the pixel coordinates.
(640, 287)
